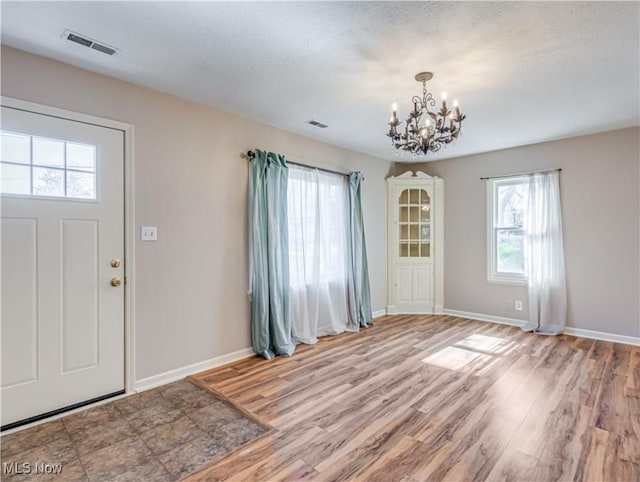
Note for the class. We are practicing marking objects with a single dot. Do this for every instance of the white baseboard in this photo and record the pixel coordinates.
(594, 335)
(179, 373)
(481, 317)
(599, 335)
(379, 313)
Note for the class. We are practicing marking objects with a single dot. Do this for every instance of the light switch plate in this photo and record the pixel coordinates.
(149, 233)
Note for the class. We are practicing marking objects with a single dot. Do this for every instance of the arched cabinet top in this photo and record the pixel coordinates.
(411, 175)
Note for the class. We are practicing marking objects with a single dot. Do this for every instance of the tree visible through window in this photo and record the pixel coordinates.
(507, 212)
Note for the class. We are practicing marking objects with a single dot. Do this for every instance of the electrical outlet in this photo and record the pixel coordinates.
(517, 305)
(149, 233)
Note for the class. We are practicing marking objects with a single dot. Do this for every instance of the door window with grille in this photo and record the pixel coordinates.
(414, 224)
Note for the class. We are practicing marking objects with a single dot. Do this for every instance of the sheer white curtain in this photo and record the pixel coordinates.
(318, 218)
(545, 255)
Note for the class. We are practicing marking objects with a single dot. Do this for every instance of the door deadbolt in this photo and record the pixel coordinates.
(115, 263)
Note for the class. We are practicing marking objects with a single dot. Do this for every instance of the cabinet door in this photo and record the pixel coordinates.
(414, 289)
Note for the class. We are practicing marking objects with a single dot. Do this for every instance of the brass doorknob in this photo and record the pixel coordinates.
(115, 282)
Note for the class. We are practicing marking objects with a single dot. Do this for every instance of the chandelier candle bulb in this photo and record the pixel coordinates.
(436, 133)
(457, 107)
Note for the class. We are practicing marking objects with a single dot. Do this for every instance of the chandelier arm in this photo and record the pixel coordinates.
(428, 99)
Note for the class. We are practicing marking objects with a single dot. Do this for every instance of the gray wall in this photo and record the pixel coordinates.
(190, 181)
(600, 206)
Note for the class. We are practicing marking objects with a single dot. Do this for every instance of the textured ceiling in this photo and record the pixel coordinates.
(523, 72)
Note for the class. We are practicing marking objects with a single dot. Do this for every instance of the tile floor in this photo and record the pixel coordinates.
(162, 434)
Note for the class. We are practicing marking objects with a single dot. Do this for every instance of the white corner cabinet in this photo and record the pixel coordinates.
(415, 243)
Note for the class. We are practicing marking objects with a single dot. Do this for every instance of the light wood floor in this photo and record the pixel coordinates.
(438, 398)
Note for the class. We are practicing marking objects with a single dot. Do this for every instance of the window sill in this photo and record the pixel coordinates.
(507, 281)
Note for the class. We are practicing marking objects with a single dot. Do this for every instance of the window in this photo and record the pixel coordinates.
(39, 166)
(318, 233)
(317, 218)
(507, 208)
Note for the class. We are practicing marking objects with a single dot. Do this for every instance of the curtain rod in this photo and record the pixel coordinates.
(520, 174)
(251, 155)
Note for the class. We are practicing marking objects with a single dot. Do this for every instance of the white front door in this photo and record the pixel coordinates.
(62, 255)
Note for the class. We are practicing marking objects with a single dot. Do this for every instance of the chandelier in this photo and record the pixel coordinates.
(424, 129)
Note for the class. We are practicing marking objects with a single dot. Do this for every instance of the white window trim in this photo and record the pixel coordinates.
(493, 276)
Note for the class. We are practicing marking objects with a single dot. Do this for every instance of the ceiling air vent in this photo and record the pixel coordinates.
(317, 124)
(87, 42)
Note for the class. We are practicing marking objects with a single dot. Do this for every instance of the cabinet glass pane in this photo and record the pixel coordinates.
(404, 250)
(414, 214)
(404, 231)
(403, 214)
(425, 250)
(413, 232)
(425, 232)
(414, 250)
(414, 196)
(404, 197)
(425, 205)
